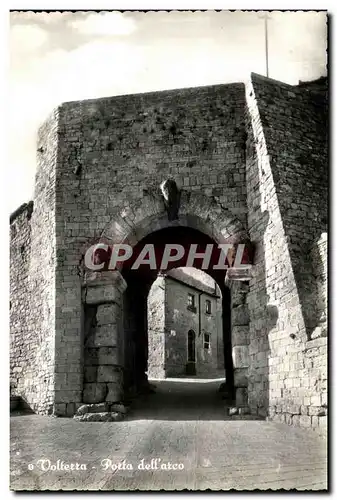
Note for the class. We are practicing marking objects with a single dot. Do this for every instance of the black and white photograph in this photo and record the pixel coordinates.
(168, 184)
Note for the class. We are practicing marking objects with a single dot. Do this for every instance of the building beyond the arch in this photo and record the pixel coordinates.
(251, 161)
(188, 338)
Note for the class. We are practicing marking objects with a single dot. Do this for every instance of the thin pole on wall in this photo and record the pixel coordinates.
(266, 18)
(266, 38)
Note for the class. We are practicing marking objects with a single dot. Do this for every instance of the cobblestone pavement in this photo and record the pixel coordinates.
(183, 423)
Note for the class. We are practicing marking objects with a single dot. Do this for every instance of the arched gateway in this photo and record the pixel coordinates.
(118, 298)
(212, 164)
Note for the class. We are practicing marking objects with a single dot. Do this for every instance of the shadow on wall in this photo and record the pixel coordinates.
(19, 406)
(136, 331)
(263, 316)
(296, 142)
(308, 290)
(318, 259)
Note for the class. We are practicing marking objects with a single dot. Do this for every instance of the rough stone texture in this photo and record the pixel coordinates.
(240, 315)
(240, 356)
(33, 281)
(93, 408)
(241, 396)
(157, 328)
(94, 393)
(294, 125)
(240, 335)
(99, 417)
(240, 340)
(102, 324)
(252, 164)
(114, 392)
(111, 149)
(241, 377)
(286, 195)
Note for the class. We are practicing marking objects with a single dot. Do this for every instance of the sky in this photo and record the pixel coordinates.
(59, 57)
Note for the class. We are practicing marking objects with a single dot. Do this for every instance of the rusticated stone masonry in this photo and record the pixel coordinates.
(157, 328)
(251, 163)
(240, 340)
(103, 374)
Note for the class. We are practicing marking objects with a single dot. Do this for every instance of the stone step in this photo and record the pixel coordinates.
(106, 416)
(235, 410)
(102, 408)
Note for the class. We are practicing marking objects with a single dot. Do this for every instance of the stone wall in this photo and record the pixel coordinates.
(20, 237)
(102, 345)
(33, 263)
(294, 122)
(111, 151)
(253, 163)
(287, 373)
(157, 312)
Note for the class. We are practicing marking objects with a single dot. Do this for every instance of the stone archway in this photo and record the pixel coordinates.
(133, 222)
(104, 290)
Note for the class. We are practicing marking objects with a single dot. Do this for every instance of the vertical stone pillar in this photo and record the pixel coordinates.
(156, 328)
(103, 338)
(240, 340)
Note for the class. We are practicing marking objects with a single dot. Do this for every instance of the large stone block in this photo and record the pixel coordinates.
(105, 279)
(238, 296)
(156, 371)
(107, 373)
(108, 356)
(241, 396)
(103, 336)
(65, 396)
(74, 381)
(59, 409)
(240, 356)
(101, 294)
(93, 408)
(240, 335)
(101, 356)
(99, 417)
(305, 421)
(241, 377)
(71, 409)
(114, 392)
(90, 374)
(317, 411)
(240, 315)
(94, 393)
(107, 314)
(323, 422)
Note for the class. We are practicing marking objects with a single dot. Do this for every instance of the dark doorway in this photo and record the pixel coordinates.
(190, 367)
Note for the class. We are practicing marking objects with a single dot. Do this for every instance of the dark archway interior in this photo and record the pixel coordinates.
(135, 304)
